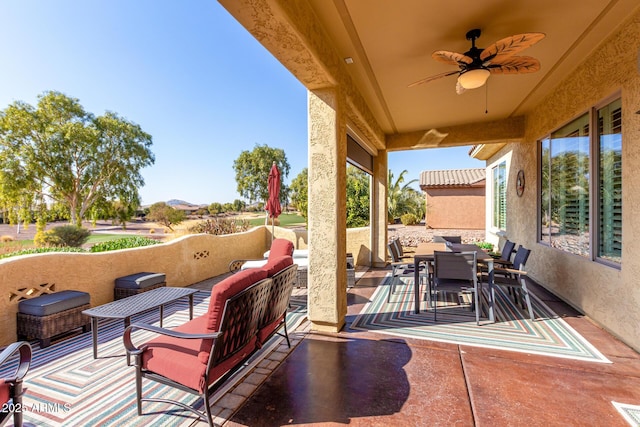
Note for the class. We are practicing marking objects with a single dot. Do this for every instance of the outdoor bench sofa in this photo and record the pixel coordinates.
(278, 247)
(245, 311)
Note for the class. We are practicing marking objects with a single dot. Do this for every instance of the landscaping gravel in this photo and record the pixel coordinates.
(411, 235)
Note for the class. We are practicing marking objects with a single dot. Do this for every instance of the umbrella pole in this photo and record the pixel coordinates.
(272, 228)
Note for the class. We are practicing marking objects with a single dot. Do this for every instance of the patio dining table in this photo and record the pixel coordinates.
(425, 253)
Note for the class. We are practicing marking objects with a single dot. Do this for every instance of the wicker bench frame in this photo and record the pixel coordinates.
(119, 293)
(44, 328)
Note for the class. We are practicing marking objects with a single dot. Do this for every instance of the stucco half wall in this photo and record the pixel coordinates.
(185, 261)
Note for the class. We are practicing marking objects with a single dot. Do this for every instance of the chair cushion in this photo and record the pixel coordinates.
(179, 359)
(219, 296)
(254, 264)
(297, 253)
(265, 333)
(56, 302)
(140, 280)
(280, 247)
(176, 358)
(276, 265)
(4, 391)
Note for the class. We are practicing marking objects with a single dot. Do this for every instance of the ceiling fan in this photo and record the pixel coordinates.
(476, 65)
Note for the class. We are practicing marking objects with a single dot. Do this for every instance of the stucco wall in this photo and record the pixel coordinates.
(609, 296)
(185, 261)
(359, 244)
(459, 208)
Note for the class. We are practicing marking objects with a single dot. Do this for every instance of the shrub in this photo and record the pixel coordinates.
(46, 238)
(5, 239)
(64, 235)
(218, 226)
(124, 243)
(409, 219)
(40, 251)
(484, 245)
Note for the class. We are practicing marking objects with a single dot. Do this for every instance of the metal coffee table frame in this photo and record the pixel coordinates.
(136, 304)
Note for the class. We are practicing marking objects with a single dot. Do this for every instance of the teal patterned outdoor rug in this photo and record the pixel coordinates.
(631, 413)
(549, 335)
(67, 387)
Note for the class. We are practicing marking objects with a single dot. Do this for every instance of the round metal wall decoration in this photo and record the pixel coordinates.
(520, 183)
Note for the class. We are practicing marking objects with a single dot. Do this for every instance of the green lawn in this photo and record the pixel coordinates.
(286, 220)
(94, 238)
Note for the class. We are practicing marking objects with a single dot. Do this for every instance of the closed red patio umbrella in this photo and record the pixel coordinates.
(273, 202)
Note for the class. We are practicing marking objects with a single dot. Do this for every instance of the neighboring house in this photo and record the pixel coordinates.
(455, 198)
(189, 209)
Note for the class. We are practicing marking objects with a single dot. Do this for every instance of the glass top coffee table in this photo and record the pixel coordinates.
(136, 304)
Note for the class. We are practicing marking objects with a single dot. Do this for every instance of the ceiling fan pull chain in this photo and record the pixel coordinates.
(486, 98)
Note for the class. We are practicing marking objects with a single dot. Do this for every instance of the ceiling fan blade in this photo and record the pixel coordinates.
(510, 46)
(451, 58)
(515, 65)
(434, 77)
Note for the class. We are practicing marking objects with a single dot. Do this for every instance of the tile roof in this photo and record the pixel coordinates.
(452, 177)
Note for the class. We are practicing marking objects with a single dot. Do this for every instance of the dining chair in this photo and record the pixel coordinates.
(505, 254)
(399, 266)
(402, 252)
(515, 279)
(504, 260)
(455, 271)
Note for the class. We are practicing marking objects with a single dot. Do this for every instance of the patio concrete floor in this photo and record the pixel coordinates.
(367, 379)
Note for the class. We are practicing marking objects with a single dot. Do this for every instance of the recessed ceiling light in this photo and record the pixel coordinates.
(348, 60)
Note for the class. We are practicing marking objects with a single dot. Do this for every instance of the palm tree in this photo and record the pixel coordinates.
(398, 195)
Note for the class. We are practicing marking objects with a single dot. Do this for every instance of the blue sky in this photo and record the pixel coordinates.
(186, 72)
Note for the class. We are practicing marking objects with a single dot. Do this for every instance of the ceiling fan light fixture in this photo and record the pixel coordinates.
(473, 79)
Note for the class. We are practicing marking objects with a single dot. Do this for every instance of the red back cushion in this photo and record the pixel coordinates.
(219, 296)
(4, 391)
(280, 247)
(277, 264)
(228, 288)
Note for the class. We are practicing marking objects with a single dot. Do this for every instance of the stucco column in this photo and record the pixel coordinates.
(327, 275)
(379, 219)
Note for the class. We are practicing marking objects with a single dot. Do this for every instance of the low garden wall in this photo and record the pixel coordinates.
(185, 261)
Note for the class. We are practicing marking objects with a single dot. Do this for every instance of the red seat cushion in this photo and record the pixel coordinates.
(276, 264)
(219, 296)
(280, 247)
(178, 359)
(265, 333)
(4, 392)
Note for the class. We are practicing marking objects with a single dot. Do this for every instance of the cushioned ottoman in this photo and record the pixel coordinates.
(134, 284)
(53, 314)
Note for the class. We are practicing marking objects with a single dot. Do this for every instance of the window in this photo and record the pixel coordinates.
(499, 180)
(569, 219)
(610, 182)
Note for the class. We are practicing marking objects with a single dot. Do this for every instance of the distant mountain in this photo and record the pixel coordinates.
(175, 202)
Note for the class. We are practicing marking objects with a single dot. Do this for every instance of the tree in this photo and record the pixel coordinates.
(398, 195)
(300, 192)
(357, 197)
(239, 205)
(252, 171)
(166, 215)
(215, 208)
(123, 211)
(60, 152)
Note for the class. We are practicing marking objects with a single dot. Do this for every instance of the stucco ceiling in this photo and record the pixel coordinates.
(391, 42)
